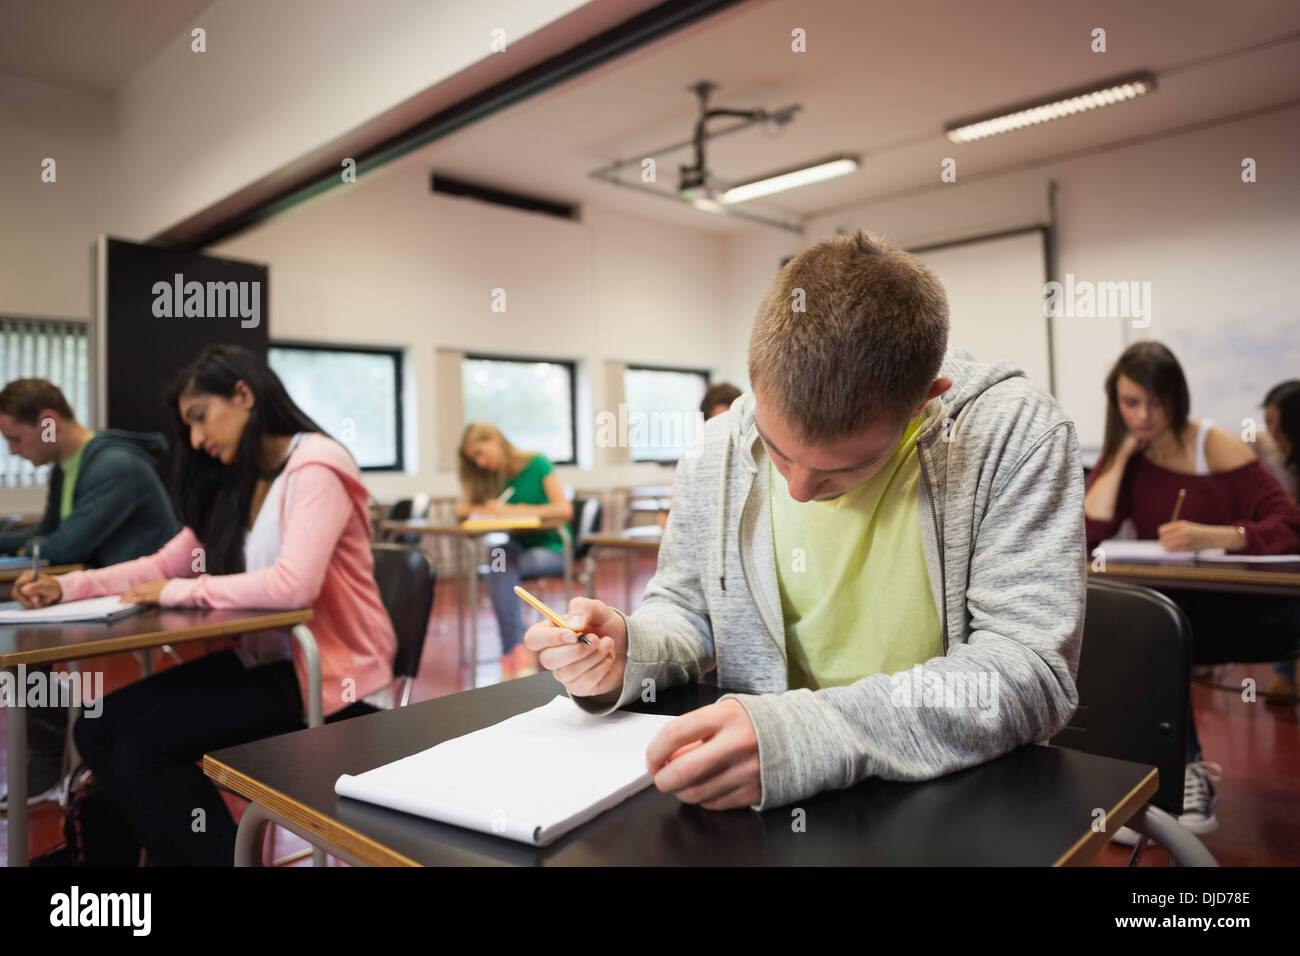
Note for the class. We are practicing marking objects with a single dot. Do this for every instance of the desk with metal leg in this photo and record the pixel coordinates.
(26, 644)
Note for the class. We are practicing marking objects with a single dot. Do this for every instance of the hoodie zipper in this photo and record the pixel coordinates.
(938, 540)
(744, 571)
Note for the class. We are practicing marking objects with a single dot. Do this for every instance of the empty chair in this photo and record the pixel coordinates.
(1134, 672)
(403, 510)
(406, 577)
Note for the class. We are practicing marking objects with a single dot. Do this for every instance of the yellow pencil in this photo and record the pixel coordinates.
(551, 615)
(1182, 493)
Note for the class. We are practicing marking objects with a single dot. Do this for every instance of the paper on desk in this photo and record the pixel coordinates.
(531, 778)
(487, 522)
(1120, 550)
(92, 609)
(1248, 558)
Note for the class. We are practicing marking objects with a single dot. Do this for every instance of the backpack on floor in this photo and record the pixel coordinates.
(97, 832)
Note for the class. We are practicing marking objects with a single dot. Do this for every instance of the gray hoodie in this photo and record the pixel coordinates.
(1001, 515)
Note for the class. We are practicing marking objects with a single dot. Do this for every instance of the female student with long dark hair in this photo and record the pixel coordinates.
(274, 511)
(489, 465)
(1282, 426)
(1151, 452)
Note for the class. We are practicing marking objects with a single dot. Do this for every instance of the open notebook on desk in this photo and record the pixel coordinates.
(90, 610)
(531, 778)
(1122, 551)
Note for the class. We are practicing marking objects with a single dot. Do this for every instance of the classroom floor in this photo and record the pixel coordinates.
(1257, 744)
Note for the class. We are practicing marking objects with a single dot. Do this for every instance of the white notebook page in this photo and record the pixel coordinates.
(91, 609)
(531, 778)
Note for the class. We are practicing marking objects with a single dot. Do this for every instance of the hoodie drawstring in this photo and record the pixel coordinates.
(722, 512)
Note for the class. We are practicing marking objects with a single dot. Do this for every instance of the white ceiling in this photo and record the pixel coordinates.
(880, 80)
(95, 46)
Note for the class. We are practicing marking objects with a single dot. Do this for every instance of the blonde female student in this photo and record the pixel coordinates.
(277, 510)
(489, 467)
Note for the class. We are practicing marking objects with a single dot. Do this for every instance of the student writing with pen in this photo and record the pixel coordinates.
(1154, 455)
(879, 501)
(105, 503)
(275, 516)
(500, 480)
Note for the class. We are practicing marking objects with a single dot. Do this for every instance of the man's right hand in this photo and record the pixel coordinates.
(32, 591)
(584, 671)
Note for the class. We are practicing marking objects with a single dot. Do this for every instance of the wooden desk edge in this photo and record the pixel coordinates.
(632, 544)
(416, 527)
(328, 829)
(1088, 845)
(1201, 574)
(134, 642)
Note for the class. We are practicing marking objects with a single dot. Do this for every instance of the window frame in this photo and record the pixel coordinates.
(396, 353)
(704, 373)
(570, 364)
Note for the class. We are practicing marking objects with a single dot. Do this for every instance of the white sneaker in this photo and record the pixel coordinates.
(1127, 836)
(1198, 797)
(1198, 803)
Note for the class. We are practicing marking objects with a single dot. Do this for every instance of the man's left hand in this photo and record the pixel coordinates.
(708, 757)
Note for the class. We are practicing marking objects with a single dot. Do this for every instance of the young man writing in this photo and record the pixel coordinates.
(877, 503)
(105, 504)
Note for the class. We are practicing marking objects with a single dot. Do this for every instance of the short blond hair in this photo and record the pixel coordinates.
(868, 342)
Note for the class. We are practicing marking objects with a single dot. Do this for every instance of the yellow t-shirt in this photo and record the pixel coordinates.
(855, 590)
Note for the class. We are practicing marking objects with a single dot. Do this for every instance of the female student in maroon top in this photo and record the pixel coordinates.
(1151, 452)
(1282, 458)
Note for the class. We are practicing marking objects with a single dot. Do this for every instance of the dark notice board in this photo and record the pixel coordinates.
(144, 350)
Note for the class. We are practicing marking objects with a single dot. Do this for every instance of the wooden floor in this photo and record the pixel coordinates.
(1257, 744)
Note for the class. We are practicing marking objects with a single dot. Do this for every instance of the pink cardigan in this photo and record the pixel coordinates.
(324, 564)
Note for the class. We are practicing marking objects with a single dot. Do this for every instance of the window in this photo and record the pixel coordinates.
(50, 349)
(353, 392)
(531, 402)
(663, 411)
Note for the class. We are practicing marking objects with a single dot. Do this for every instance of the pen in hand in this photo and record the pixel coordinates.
(551, 615)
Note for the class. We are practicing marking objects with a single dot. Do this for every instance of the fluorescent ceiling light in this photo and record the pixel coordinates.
(1081, 100)
(790, 179)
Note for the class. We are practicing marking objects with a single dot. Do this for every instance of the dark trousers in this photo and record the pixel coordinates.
(144, 748)
(519, 563)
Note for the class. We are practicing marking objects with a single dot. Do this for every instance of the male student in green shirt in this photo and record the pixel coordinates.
(104, 504)
(880, 548)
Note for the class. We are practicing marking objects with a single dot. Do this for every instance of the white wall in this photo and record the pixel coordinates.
(753, 259)
(46, 229)
(1219, 254)
(280, 79)
(384, 261)
(277, 80)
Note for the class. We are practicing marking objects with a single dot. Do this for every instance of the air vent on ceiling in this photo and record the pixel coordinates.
(448, 186)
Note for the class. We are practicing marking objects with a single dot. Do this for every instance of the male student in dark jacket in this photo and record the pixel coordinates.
(105, 504)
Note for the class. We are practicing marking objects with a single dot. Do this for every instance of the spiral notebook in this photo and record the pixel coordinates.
(531, 778)
(102, 609)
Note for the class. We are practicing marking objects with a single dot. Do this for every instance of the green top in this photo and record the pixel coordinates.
(855, 590)
(70, 469)
(529, 490)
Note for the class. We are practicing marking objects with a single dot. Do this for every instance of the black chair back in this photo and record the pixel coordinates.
(1134, 683)
(406, 579)
(587, 520)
